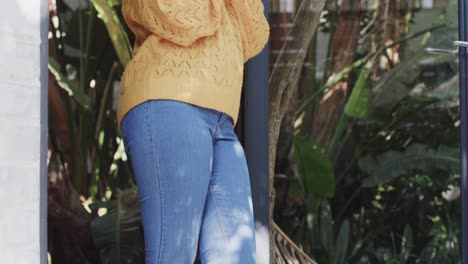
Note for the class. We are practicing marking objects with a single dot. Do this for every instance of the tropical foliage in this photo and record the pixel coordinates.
(374, 176)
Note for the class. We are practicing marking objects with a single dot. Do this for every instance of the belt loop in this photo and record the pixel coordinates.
(219, 119)
(217, 123)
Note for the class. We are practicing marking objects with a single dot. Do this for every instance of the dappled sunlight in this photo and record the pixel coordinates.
(250, 204)
(262, 242)
(243, 232)
(239, 150)
(241, 215)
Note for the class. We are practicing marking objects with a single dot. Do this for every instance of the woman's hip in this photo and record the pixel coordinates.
(171, 113)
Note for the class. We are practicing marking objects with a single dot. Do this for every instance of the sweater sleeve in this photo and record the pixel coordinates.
(179, 21)
(254, 27)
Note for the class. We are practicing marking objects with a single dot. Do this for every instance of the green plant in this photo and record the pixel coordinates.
(375, 191)
(89, 49)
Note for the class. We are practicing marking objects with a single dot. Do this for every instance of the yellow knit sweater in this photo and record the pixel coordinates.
(191, 50)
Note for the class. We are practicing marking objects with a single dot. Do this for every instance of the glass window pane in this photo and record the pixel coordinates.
(367, 162)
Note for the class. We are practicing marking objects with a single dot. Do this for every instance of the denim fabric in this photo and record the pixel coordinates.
(193, 183)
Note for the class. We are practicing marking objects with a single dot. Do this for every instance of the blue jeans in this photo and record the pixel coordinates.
(193, 183)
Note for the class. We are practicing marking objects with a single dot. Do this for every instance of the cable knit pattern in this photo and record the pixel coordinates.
(191, 50)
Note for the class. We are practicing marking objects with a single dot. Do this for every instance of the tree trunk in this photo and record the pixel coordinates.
(283, 81)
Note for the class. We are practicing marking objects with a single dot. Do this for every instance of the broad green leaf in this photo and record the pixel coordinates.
(384, 254)
(358, 105)
(406, 242)
(315, 168)
(358, 247)
(399, 82)
(70, 87)
(115, 29)
(294, 189)
(412, 104)
(332, 81)
(113, 3)
(342, 242)
(326, 228)
(392, 164)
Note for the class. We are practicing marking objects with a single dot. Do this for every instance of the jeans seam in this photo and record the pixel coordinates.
(217, 123)
(220, 222)
(156, 165)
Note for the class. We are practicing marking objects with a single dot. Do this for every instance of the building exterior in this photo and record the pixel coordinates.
(23, 133)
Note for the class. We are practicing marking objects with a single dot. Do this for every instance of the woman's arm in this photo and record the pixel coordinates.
(179, 21)
(254, 26)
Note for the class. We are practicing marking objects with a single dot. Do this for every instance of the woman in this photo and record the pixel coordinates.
(179, 103)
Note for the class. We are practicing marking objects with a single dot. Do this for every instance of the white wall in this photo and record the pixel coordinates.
(23, 116)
